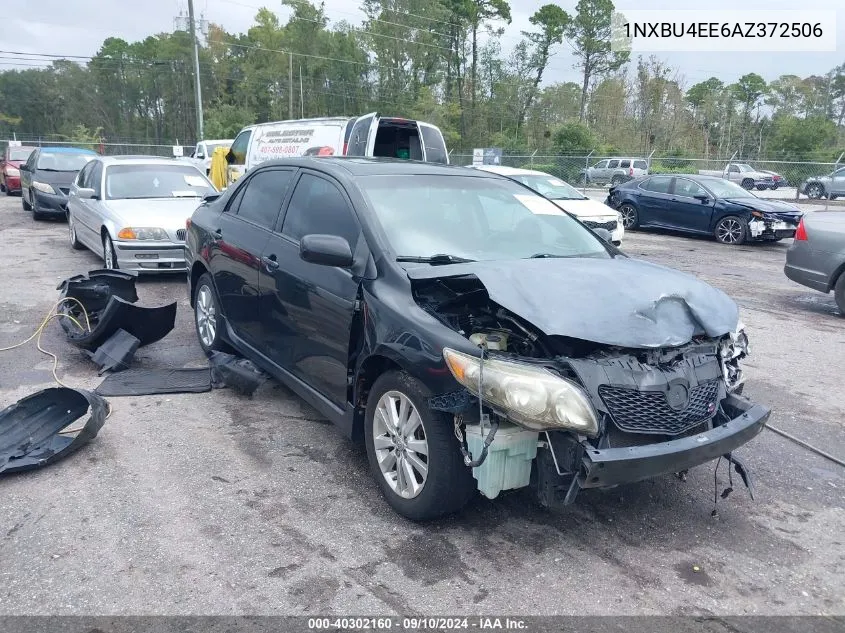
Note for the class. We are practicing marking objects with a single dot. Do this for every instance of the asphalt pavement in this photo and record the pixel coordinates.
(215, 503)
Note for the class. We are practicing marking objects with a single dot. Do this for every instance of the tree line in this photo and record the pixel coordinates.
(441, 61)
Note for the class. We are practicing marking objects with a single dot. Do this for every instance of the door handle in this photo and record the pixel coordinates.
(270, 263)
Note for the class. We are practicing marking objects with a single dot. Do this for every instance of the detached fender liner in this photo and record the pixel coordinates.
(30, 429)
(109, 298)
(613, 466)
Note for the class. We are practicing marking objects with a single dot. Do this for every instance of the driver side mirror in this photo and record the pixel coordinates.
(86, 193)
(703, 197)
(325, 250)
(23, 167)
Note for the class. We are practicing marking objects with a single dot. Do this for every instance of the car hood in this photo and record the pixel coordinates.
(586, 208)
(784, 210)
(164, 213)
(59, 178)
(621, 301)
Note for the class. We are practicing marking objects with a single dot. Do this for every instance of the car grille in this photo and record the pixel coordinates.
(180, 235)
(65, 190)
(610, 226)
(649, 412)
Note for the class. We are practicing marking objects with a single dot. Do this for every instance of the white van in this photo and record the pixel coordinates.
(369, 135)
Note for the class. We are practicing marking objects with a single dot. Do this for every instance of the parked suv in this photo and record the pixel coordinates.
(615, 170)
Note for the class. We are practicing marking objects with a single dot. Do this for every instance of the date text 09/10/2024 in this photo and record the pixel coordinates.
(478, 623)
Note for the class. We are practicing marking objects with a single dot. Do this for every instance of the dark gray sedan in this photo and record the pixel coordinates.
(817, 256)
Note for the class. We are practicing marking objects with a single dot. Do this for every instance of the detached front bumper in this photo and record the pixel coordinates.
(151, 257)
(602, 468)
(49, 203)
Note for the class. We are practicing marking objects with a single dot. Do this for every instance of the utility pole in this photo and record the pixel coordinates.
(193, 29)
(290, 85)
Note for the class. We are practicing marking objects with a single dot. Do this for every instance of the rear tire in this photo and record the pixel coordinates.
(839, 294)
(748, 184)
(731, 230)
(75, 244)
(447, 485)
(815, 191)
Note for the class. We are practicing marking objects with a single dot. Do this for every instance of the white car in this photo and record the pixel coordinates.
(201, 156)
(595, 215)
(132, 210)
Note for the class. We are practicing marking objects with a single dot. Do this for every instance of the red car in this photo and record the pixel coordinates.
(10, 175)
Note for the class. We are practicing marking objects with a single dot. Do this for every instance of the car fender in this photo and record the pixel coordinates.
(723, 209)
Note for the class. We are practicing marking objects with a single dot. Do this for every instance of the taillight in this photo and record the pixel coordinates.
(801, 232)
(188, 223)
(345, 147)
(631, 172)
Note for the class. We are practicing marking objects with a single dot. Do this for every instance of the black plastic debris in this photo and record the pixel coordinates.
(108, 297)
(116, 353)
(239, 374)
(31, 429)
(147, 382)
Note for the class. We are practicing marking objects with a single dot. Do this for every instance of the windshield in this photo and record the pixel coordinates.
(20, 153)
(473, 218)
(745, 167)
(156, 181)
(63, 161)
(549, 186)
(726, 189)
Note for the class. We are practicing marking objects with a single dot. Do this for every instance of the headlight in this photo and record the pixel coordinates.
(43, 187)
(142, 234)
(13, 171)
(533, 397)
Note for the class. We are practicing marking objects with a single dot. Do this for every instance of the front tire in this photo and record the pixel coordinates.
(75, 244)
(26, 206)
(109, 254)
(731, 230)
(207, 316)
(839, 294)
(413, 451)
(748, 184)
(630, 216)
(617, 180)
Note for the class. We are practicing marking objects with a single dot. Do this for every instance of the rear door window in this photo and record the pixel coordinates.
(435, 146)
(263, 196)
(657, 184)
(613, 164)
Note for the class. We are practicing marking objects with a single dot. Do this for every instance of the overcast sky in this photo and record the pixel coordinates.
(78, 27)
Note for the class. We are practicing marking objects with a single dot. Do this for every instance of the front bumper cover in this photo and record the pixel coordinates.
(601, 468)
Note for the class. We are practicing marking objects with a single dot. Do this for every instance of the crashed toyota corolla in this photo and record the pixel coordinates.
(475, 336)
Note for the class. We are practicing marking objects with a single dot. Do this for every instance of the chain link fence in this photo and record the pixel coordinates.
(571, 168)
(108, 147)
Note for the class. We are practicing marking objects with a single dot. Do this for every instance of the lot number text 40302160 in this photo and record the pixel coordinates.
(420, 623)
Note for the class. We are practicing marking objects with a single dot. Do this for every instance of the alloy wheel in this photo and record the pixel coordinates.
(400, 444)
(628, 215)
(815, 192)
(729, 231)
(206, 315)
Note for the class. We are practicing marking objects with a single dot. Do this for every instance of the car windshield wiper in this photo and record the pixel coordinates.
(440, 258)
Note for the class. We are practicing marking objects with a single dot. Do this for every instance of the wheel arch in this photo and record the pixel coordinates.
(198, 269)
(366, 375)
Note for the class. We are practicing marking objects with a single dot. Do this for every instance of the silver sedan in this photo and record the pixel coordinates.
(816, 258)
(132, 210)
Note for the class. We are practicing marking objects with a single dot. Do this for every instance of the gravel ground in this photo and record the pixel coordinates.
(216, 504)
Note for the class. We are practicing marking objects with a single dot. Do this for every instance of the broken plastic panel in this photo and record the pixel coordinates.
(31, 430)
(147, 382)
(108, 297)
(234, 372)
(116, 353)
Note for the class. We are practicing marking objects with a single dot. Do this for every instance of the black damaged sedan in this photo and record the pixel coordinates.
(471, 333)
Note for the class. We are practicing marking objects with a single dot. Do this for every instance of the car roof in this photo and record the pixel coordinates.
(508, 171)
(68, 150)
(143, 159)
(217, 140)
(314, 120)
(346, 166)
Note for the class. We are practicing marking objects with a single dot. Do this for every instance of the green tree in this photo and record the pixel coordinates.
(574, 138)
(589, 35)
(552, 22)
